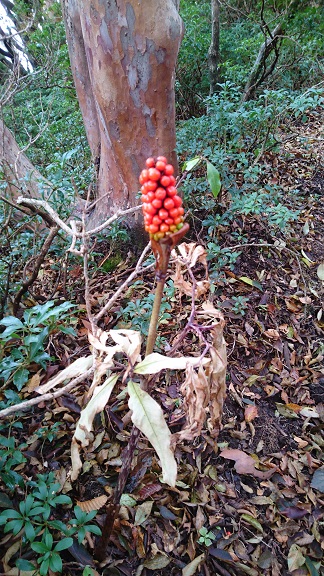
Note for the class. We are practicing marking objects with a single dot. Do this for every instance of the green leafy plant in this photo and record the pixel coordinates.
(206, 537)
(10, 457)
(31, 333)
(240, 304)
(41, 530)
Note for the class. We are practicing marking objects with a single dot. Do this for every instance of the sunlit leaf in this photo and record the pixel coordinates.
(191, 164)
(213, 178)
(147, 415)
(153, 363)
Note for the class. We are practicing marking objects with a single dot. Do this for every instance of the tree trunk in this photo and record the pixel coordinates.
(123, 56)
(19, 174)
(213, 52)
(260, 71)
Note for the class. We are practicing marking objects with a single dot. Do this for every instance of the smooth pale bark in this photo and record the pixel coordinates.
(123, 56)
(19, 174)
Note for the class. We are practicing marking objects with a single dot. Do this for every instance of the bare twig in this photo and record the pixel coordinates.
(121, 288)
(45, 397)
(40, 259)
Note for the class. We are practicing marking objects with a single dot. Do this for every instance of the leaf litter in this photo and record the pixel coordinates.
(252, 475)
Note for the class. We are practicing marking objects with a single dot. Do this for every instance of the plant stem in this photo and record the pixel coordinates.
(154, 317)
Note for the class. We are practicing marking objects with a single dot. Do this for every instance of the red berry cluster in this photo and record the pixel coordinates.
(162, 207)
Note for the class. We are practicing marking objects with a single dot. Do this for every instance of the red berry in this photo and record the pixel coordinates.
(156, 220)
(164, 228)
(171, 191)
(143, 176)
(154, 174)
(181, 211)
(160, 165)
(160, 193)
(150, 162)
(169, 170)
(165, 181)
(149, 209)
(169, 221)
(153, 229)
(157, 203)
(172, 180)
(151, 185)
(177, 220)
(163, 214)
(177, 201)
(144, 198)
(150, 196)
(162, 159)
(174, 213)
(168, 204)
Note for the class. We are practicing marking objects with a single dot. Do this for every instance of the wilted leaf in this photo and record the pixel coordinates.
(73, 371)
(295, 558)
(213, 178)
(250, 413)
(191, 568)
(129, 342)
(244, 464)
(154, 363)
(318, 480)
(82, 434)
(147, 415)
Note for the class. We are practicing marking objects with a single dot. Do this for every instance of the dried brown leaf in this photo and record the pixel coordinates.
(93, 504)
(250, 413)
(245, 464)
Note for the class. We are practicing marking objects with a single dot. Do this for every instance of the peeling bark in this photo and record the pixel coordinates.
(123, 57)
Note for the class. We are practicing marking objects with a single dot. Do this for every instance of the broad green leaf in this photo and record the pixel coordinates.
(20, 378)
(191, 164)
(147, 415)
(213, 178)
(155, 362)
(63, 544)
(82, 432)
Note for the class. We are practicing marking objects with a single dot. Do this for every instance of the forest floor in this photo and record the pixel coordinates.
(263, 504)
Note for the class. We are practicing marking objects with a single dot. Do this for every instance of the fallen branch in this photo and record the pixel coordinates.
(45, 397)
